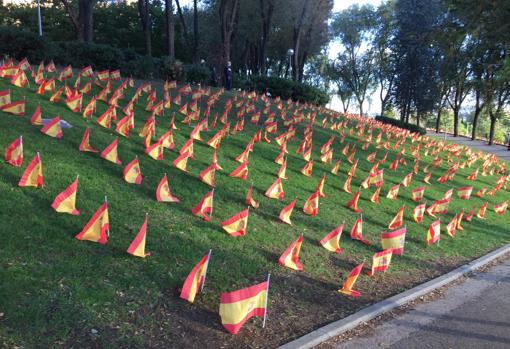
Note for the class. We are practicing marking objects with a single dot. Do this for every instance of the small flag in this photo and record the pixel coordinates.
(433, 233)
(286, 212)
(163, 193)
(32, 176)
(137, 247)
(85, 142)
(351, 280)
(418, 212)
(464, 193)
(195, 280)
(275, 190)
(14, 152)
(331, 241)
(65, 202)
(204, 208)
(397, 220)
(381, 261)
(501, 208)
(353, 202)
(132, 173)
(290, 257)
(97, 227)
(110, 153)
(417, 194)
(357, 231)
(394, 240)
(52, 128)
(236, 225)
(311, 206)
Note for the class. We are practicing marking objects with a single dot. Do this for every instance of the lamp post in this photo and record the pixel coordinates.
(290, 53)
(39, 22)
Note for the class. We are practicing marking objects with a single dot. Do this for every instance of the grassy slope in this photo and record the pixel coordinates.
(54, 289)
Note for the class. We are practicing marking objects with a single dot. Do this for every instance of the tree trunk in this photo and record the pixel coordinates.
(228, 11)
(183, 22)
(478, 110)
(360, 102)
(418, 119)
(170, 30)
(266, 16)
(438, 120)
(456, 121)
(143, 10)
(86, 8)
(492, 129)
(298, 29)
(195, 32)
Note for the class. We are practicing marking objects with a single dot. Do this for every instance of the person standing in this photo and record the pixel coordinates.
(228, 75)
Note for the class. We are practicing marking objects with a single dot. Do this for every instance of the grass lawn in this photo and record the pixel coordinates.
(56, 291)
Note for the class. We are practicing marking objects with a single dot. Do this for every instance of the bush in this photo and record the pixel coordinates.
(197, 73)
(401, 124)
(283, 88)
(20, 44)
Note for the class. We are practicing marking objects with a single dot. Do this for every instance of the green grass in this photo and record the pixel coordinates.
(55, 290)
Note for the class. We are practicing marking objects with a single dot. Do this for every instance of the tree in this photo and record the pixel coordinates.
(195, 32)
(356, 66)
(145, 21)
(83, 22)
(228, 13)
(170, 29)
(266, 15)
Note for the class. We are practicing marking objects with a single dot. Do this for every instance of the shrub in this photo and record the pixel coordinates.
(196, 73)
(401, 124)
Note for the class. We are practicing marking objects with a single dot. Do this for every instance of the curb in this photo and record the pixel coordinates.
(336, 328)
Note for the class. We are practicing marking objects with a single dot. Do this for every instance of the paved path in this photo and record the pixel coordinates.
(500, 150)
(472, 315)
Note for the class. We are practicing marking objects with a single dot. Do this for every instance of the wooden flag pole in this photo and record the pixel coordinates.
(267, 298)
(205, 272)
(106, 202)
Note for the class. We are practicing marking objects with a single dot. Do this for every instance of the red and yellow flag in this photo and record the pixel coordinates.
(97, 228)
(375, 196)
(434, 233)
(5, 97)
(464, 192)
(307, 170)
(132, 173)
(290, 257)
(85, 142)
(33, 176)
(418, 212)
(393, 193)
(394, 240)
(286, 212)
(204, 208)
(236, 225)
(311, 206)
(240, 171)
(357, 231)
(52, 128)
(36, 118)
(347, 185)
(207, 175)
(181, 162)
(249, 198)
(452, 226)
(351, 280)
(417, 193)
(353, 202)
(65, 202)
(155, 150)
(74, 103)
(137, 247)
(381, 261)
(110, 152)
(501, 208)
(163, 193)
(331, 241)
(275, 190)
(194, 282)
(239, 306)
(14, 152)
(397, 220)
(481, 211)
(14, 108)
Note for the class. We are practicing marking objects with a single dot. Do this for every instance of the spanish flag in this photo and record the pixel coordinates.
(473, 175)
(441, 206)
(155, 151)
(320, 187)
(240, 171)
(110, 153)
(357, 231)
(65, 202)
(393, 193)
(381, 261)
(52, 128)
(407, 180)
(207, 175)
(375, 196)
(132, 173)
(5, 97)
(459, 221)
(481, 211)
(239, 306)
(282, 172)
(351, 280)
(36, 118)
(105, 119)
(20, 79)
(353, 202)
(335, 168)
(464, 192)
(204, 208)
(452, 226)
(377, 178)
(181, 162)
(311, 206)
(347, 185)
(137, 247)
(249, 198)
(97, 228)
(286, 212)
(214, 160)
(394, 240)
(434, 233)
(418, 213)
(74, 102)
(501, 208)
(236, 225)
(331, 241)
(290, 257)
(33, 176)
(167, 140)
(307, 170)
(194, 283)
(14, 108)
(417, 194)
(397, 220)
(215, 140)
(275, 190)
(85, 143)
(90, 108)
(426, 179)
(163, 193)
(481, 192)
(470, 215)
(14, 152)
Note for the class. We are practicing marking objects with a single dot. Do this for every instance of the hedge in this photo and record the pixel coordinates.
(401, 124)
(20, 43)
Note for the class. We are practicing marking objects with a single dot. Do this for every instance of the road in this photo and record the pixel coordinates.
(474, 314)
